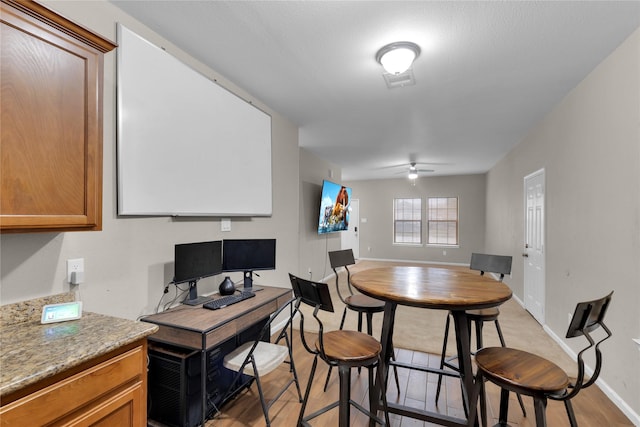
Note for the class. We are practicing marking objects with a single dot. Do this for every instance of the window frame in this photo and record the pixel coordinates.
(447, 220)
(420, 222)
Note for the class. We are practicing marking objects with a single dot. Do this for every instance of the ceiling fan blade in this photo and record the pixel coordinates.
(404, 172)
(407, 165)
(403, 165)
(432, 163)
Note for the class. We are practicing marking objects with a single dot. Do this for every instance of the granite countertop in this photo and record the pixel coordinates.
(30, 351)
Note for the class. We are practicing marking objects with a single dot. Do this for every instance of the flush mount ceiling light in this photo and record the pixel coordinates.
(396, 58)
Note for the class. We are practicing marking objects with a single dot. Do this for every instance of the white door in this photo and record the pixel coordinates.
(350, 239)
(533, 252)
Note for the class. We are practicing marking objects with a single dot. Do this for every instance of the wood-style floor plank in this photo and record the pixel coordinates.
(417, 389)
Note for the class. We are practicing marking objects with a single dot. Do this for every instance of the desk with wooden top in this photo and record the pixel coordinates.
(201, 329)
(453, 289)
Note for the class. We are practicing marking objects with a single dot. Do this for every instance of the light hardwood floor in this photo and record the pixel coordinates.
(592, 407)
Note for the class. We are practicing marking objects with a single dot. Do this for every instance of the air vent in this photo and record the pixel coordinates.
(399, 80)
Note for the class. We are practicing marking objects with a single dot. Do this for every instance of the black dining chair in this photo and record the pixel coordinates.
(499, 264)
(260, 357)
(359, 303)
(531, 375)
(343, 349)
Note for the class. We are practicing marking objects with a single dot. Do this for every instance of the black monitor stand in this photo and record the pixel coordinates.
(193, 298)
(248, 282)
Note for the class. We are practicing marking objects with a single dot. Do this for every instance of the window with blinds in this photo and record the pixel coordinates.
(442, 221)
(407, 221)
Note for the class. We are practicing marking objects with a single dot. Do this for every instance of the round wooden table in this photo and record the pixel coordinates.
(455, 289)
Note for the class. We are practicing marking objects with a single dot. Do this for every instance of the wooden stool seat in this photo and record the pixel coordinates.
(350, 348)
(363, 303)
(520, 371)
(483, 315)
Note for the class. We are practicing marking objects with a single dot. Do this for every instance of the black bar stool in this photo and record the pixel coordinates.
(526, 373)
(343, 349)
(361, 304)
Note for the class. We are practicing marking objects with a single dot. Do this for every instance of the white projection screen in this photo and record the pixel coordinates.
(186, 146)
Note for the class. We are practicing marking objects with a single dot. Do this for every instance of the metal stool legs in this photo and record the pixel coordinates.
(446, 362)
(345, 402)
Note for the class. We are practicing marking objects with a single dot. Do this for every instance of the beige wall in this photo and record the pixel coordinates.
(589, 146)
(129, 262)
(314, 247)
(376, 206)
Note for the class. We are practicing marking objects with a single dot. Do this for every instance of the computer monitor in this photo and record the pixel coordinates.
(194, 261)
(248, 255)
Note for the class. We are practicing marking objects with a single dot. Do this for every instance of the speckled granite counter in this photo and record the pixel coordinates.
(30, 352)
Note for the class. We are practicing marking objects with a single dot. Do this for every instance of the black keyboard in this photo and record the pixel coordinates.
(228, 300)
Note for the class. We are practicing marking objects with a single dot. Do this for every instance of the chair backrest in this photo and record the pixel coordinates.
(266, 333)
(491, 263)
(342, 258)
(587, 317)
(291, 308)
(315, 294)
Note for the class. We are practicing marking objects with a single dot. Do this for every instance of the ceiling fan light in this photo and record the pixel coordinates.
(396, 58)
(413, 173)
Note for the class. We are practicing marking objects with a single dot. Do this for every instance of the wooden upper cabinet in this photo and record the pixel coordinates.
(51, 124)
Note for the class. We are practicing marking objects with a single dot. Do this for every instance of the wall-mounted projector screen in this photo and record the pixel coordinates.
(186, 146)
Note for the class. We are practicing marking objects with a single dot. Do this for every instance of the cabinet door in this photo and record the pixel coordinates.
(110, 393)
(51, 103)
(126, 409)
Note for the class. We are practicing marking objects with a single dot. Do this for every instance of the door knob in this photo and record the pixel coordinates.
(525, 255)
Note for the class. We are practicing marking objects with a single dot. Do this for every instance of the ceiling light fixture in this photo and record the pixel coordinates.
(413, 172)
(396, 58)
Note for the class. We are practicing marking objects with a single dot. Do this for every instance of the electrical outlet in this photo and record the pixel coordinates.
(75, 266)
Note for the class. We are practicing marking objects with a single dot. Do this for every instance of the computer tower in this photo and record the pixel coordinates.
(174, 397)
(174, 380)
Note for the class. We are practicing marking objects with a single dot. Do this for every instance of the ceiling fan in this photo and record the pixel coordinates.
(414, 171)
(411, 168)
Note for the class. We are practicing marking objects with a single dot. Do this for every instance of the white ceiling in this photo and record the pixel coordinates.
(488, 71)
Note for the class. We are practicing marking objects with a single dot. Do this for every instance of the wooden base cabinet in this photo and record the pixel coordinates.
(110, 392)
(51, 104)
